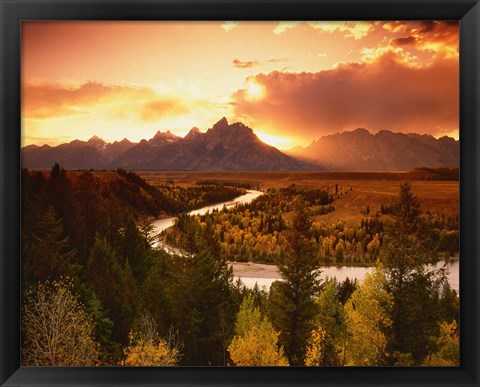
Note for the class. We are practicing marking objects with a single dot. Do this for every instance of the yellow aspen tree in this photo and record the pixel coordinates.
(56, 330)
(153, 353)
(147, 348)
(448, 348)
(256, 341)
(315, 349)
(368, 316)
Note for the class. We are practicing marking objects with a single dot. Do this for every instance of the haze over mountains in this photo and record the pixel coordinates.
(234, 147)
(360, 150)
(225, 146)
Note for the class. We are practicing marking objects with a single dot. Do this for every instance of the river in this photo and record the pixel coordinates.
(163, 224)
(265, 275)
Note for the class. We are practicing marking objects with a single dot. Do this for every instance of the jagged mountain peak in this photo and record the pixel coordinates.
(97, 142)
(167, 134)
(95, 138)
(162, 138)
(194, 132)
(223, 130)
(124, 141)
(222, 123)
(236, 147)
(222, 147)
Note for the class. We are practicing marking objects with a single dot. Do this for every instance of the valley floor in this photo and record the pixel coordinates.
(370, 189)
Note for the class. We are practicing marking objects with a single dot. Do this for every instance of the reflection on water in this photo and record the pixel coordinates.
(163, 224)
(247, 198)
(341, 273)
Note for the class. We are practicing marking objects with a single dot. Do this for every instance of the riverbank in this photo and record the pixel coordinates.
(164, 223)
(254, 270)
(264, 275)
(266, 270)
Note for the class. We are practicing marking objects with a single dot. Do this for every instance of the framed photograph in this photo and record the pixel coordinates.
(240, 193)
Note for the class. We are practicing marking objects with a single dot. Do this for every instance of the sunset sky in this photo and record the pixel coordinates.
(291, 82)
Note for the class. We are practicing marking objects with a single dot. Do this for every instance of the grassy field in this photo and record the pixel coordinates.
(367, 188)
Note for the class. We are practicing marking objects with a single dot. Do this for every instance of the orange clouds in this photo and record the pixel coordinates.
(440, 38)
(48, 100)
(151, 111)
(245, 65)
(54, 111)
(44, 101)
(149, 76)
(254, 63)
(385, 93)
(350, 29)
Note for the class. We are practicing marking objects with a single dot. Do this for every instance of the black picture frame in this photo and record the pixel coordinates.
(14, 11)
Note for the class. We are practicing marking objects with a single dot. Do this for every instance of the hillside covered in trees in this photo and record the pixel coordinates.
(89, 266)
(256, 232)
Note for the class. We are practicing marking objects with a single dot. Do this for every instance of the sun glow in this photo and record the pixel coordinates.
(454, 134)
(291, 78)
(277, 142)
(254, 91)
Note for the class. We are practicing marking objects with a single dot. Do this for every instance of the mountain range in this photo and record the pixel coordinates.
(234, 147)
(360, 150)
(229, 147)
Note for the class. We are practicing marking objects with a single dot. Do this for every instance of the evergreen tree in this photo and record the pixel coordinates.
(449, 304)
(33, 198)
(345, 289)
(91, 215)
(129, 293)
(135, 249)
(60, 196)
(109, 349)
(113, 286)
(326, 347)
(154, 292)
(202, 299)
(147, 231)
(47, 254)
(291, 303)
(415, 290)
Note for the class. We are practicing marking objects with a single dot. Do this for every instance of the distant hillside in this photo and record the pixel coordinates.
(224, 147)
(360, 150)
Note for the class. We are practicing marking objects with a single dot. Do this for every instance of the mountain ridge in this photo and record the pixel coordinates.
(360, 150)
(224, 146)
(235, 147)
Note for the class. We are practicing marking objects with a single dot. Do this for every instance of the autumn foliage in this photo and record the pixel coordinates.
(56, 330)
(255, 342)
(97, 291)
